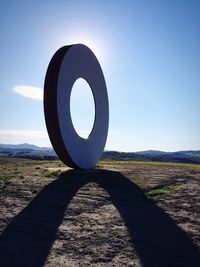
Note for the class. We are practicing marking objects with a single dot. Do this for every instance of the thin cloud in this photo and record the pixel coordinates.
(19, 133)
(29, 91)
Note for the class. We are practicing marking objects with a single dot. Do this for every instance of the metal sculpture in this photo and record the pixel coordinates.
(67, 65)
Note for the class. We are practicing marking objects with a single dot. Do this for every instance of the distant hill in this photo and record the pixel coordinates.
(34, 152)
(192, 156)
(25, 146)
(27, 151)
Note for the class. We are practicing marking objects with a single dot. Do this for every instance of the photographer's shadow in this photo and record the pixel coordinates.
(159, 242)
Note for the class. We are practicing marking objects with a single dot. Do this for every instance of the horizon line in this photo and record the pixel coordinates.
(107, 150)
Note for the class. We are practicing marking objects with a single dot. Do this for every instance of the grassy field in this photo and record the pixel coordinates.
(155, 163)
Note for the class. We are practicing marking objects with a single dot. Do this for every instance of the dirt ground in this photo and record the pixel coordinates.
(54, 216)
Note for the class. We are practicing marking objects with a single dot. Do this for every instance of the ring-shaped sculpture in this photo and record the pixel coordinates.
(67, 65)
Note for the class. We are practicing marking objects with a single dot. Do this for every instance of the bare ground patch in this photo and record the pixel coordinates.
(55, 216)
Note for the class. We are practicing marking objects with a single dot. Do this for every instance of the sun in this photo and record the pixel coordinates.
(97, 44)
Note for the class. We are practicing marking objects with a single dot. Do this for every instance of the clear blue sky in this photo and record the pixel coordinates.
(149, 51)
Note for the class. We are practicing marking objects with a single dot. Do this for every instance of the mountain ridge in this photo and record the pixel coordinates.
(35, 152)
(23, 146)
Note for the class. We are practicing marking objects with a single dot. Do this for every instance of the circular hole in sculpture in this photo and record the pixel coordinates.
(82, 108)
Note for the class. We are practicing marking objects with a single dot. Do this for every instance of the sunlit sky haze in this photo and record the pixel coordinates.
(149, 52)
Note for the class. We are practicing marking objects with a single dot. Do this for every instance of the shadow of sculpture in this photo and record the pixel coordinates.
(157, 239)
